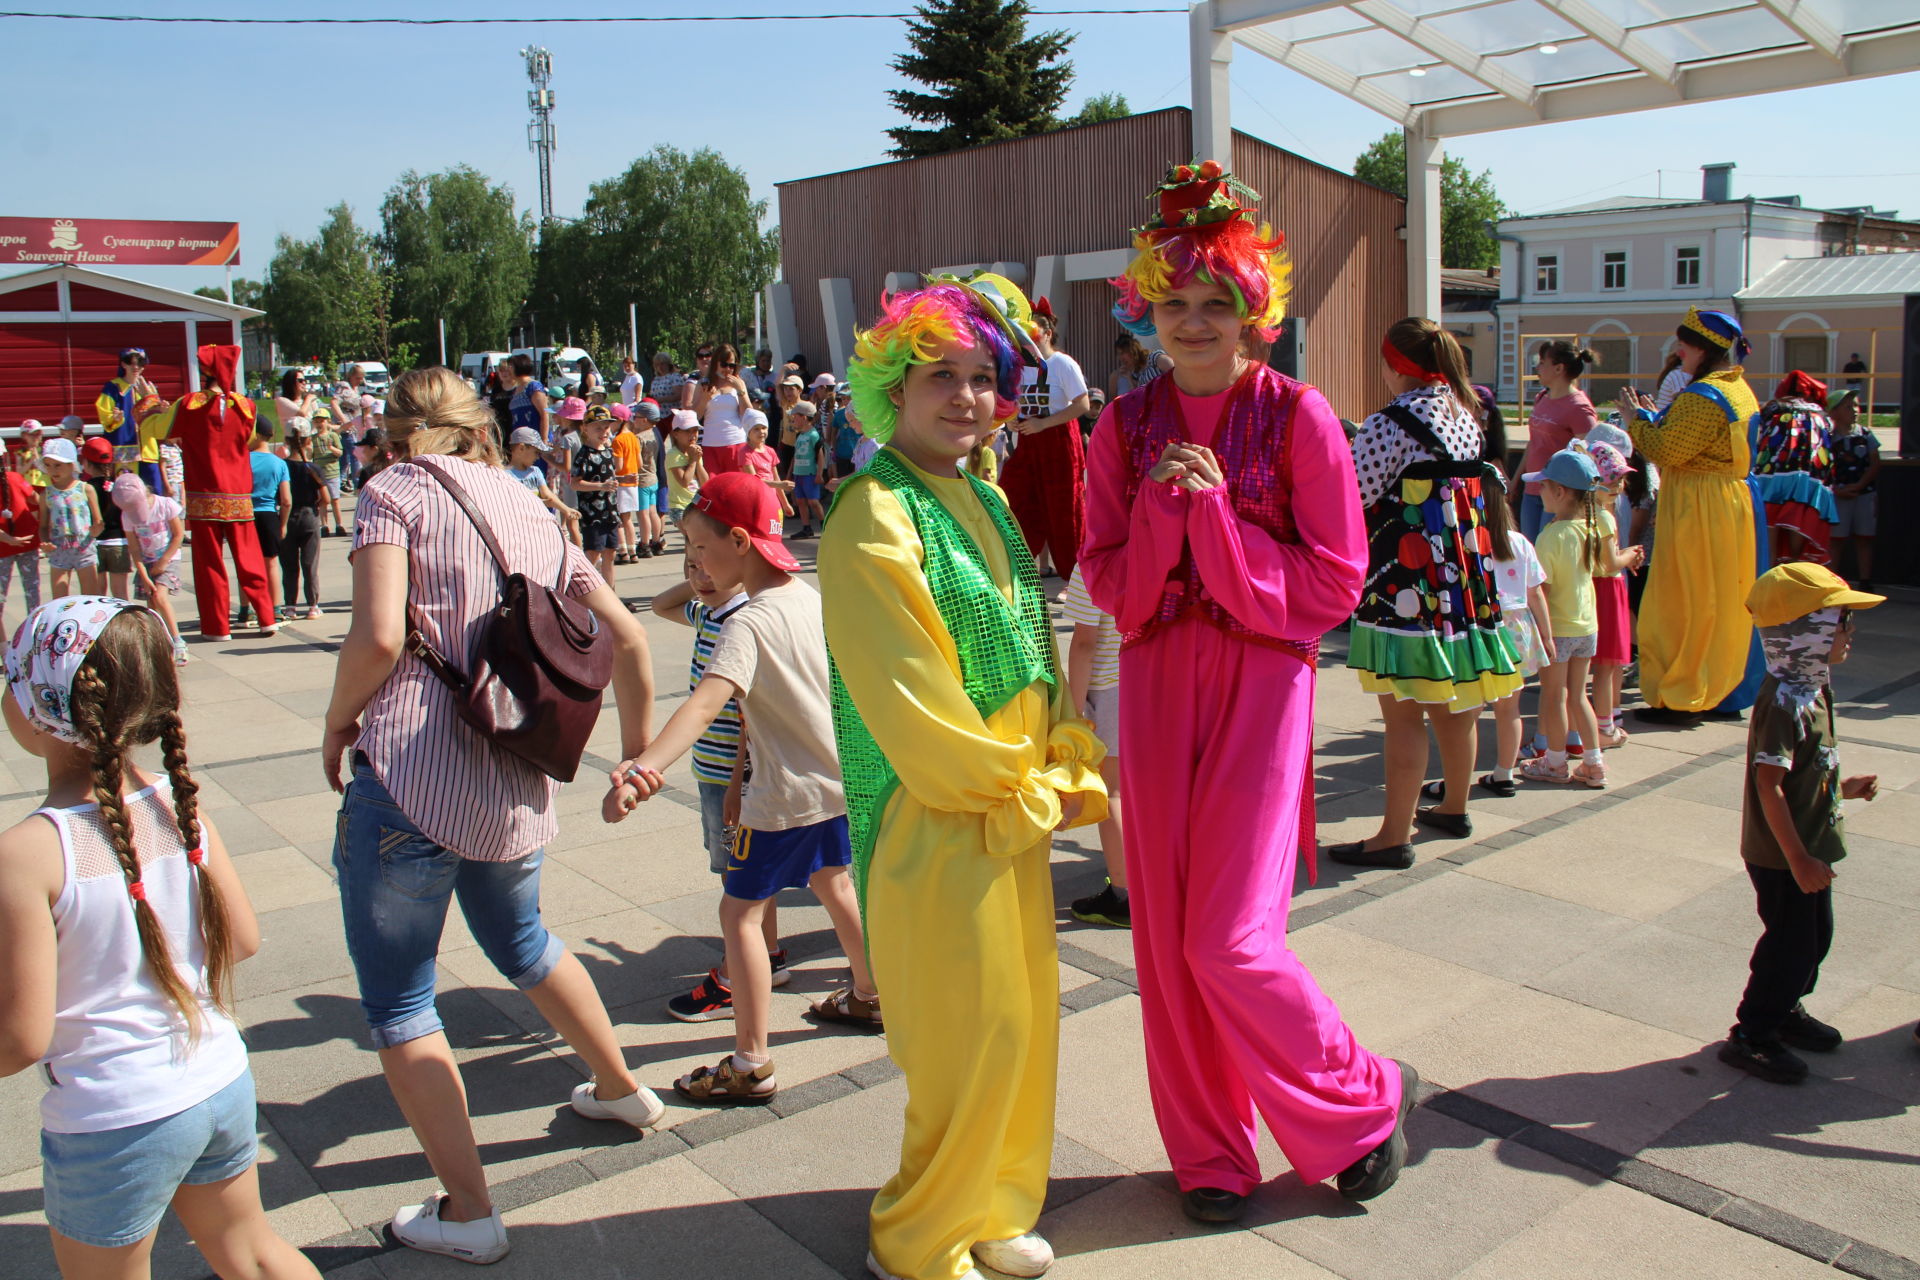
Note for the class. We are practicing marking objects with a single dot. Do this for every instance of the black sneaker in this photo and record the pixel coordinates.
(1804, 1031)
(781, 977)
(711, 1001)
(806, 531)
(659, 546)
(1109, 906)
(1380, 1168)
(1768, 1059)
(1211, 1204)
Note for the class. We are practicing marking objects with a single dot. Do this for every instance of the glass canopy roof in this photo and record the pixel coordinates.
(1451, 67)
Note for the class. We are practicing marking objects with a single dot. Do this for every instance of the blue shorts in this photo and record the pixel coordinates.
(807, 486)
(110, 1189)
(647, 498)
(765, 862)
(661, 498)
(599, 537)
(394, 888)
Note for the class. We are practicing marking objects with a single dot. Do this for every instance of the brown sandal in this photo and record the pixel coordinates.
(725, 1084)
(844, 1006)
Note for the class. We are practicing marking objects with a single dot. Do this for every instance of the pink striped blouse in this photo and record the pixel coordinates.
(467, 796)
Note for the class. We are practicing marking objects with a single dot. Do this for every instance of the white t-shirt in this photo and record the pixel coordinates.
(1077, 607)
(773, 649)
(630, 392)
(1514, 577)
(1065, 384)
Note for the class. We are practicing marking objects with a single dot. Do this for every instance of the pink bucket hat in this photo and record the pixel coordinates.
(573, 409)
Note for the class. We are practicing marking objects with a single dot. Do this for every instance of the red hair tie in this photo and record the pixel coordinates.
(197, 857)
(1397, 361)
(139, 890)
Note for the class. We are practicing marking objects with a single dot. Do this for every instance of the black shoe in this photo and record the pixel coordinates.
(1211, 1204)
(806, 531)
(1437, 789)
(644, 551)
(659, 546)
(1768, 1059)
(1666, 715)
(1804, 1031)
(1457, 825)
(1399, 857)
(1380, 1168)
(1109, 906)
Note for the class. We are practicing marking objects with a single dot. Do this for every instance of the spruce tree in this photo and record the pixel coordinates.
(988, 78)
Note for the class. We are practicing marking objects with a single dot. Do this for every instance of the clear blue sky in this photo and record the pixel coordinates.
(270, 126)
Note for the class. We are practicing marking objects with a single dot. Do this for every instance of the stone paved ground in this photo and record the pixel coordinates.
(1559, 980)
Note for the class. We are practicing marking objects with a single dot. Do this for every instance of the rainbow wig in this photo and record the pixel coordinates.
(913, 325)
(1205, 233)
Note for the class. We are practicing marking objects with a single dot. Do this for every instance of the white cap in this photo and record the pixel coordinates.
(60, 450)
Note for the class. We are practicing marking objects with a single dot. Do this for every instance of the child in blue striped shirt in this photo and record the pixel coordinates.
(720, 768)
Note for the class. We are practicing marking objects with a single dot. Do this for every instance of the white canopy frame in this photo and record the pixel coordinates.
(1447, 68)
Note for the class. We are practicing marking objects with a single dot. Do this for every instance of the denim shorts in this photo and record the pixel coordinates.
(807, 486)
(110, 1189)
(714, 831)
(394, 887)
(599, 537)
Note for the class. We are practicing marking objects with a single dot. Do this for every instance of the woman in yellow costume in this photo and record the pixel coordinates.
(962, 755)
(1695, 632)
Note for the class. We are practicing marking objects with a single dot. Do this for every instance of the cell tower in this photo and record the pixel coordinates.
(540, 136)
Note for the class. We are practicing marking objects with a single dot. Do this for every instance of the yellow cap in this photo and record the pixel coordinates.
(1790, 591)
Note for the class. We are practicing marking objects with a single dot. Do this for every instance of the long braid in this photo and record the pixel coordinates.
(214, 925)
(1588, 512)
(108, 743)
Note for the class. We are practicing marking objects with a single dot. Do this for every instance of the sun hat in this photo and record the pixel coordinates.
(597, 413)
(97, 449)
(685, 420)
(752, 418)
(321, 411)
(620, 413)
(825, 380)
(1607, 462)
(32, 424)
(1569, 467)
(60, 450)
(1796, 589)
(526, 435)
(792, 380)
(648, 409)
(1607, 433)
(1838, 398)
(741, 501)
(573, 409)
(805, 408)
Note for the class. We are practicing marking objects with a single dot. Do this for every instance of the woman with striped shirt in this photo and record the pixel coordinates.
(432, 811)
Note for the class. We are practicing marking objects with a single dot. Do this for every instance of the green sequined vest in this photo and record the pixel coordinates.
(1003, 648)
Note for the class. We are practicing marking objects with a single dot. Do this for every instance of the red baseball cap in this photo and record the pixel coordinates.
(741, 501)
(97, 449)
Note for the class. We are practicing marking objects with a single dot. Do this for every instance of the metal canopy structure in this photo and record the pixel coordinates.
(1444, 68)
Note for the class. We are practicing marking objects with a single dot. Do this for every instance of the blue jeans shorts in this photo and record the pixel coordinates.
(394, 887)
(715, 834)
(765, 862)
(807, 487)
(110, 1189)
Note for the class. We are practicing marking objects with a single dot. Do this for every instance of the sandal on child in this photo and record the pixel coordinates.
(726, 1085)
(844, 1006)
(1540, 769)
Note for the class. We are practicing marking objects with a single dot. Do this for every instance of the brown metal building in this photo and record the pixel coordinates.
(1059, 206)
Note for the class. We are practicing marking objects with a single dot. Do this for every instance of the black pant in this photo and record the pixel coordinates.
(1797, 931)
(300, 553)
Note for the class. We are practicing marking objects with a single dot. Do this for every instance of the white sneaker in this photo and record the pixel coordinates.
(642, 1109)
(881, 1273)
(180, 655)
(1025, 1255)
(481, 1241)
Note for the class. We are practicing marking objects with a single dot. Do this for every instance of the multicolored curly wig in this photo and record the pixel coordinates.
(1205, 232)
(915, 324)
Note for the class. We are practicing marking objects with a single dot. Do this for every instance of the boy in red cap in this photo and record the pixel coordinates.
(772, 657)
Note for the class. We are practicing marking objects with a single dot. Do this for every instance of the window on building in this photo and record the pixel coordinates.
(1546, 273)
(1613, 269)
(1686, 267)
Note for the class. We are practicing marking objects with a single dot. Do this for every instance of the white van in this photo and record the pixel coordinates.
(477, 366)
(378, 380)
(561, 369)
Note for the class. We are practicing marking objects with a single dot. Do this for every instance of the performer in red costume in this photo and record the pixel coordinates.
(213, 427)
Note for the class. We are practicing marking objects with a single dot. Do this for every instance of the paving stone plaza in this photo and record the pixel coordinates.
(1560, 980)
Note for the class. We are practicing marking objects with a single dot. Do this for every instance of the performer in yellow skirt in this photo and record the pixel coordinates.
(1694, 630)
(961, 755)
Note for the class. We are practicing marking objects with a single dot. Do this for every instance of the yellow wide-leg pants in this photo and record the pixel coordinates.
(963, 951)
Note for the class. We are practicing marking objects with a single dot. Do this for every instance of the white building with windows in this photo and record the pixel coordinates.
(1813, 287)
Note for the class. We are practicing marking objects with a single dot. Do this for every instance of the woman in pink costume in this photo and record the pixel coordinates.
(1222, 585)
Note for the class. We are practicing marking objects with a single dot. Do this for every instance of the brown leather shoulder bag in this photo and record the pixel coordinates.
(539, 664)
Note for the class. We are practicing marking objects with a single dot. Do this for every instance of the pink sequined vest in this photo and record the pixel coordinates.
(1251, 445)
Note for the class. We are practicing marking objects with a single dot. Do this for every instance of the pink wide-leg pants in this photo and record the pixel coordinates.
(1219, 733)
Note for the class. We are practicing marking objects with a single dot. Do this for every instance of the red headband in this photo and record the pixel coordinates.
(1399, 363)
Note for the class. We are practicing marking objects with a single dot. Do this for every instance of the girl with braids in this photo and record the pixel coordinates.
(1428, 637)
(121, 918)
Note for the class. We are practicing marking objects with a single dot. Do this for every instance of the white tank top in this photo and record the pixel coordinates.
(722, 426)
(119, 1053)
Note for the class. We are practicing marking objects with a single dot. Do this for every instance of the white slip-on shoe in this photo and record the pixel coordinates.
(642, 1108)
(420, 1227)
(881, 1273)
(1025, 1255)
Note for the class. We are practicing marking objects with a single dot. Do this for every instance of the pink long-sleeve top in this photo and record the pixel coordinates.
(1295, 592)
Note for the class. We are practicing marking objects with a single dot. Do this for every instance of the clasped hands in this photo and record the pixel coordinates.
(633, 783)
(1191, 466)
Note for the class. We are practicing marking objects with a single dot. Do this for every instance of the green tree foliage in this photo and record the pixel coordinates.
(988, 78)
(677, 235)
(327, 298)
(246, 293)
(455, 250)
(1101, 106)
(1467, 200)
